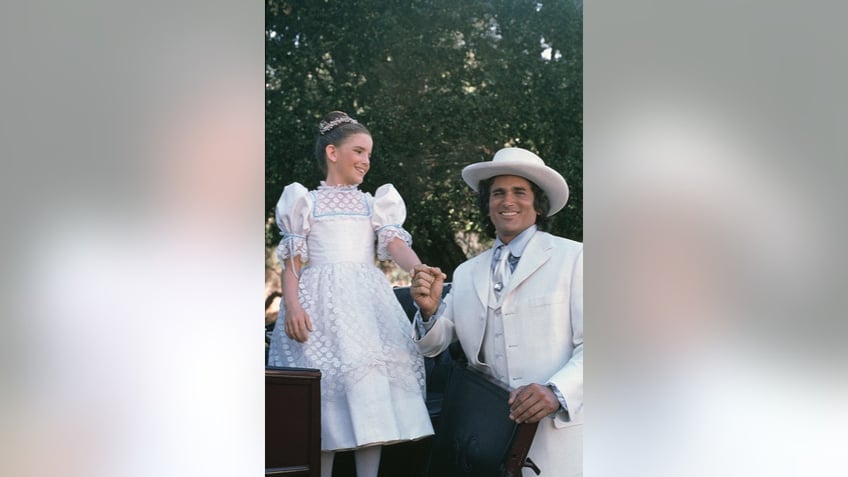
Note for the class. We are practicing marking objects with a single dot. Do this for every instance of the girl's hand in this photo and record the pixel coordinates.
(297, 323)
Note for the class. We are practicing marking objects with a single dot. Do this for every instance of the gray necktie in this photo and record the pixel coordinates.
(501, 272)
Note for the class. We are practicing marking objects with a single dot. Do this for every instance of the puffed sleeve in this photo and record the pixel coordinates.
(294, 218)
(387, 219)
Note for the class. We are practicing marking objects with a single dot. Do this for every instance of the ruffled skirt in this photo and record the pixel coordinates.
(372, 384)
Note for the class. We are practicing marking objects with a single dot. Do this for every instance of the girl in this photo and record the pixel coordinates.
(340, 313)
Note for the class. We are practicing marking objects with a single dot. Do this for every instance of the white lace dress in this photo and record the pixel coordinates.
(372, 385)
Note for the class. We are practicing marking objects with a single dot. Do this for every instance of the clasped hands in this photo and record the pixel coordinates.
(426, 288)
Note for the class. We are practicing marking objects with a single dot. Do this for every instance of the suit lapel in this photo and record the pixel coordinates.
(481, 276)
(537, 252)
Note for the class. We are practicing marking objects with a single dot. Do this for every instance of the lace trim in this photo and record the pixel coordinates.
(342, 187)
(340, 200)
(290, 246)
(385, 235)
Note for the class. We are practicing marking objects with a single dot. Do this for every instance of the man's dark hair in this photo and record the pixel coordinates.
(540, 202)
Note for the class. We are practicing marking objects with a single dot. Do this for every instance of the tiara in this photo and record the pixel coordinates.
(329, 126)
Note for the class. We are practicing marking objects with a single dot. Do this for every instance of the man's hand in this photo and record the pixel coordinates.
(531, 403)
(426, 288)
(297, 323)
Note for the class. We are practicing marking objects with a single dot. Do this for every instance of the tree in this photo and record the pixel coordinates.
(440, 84)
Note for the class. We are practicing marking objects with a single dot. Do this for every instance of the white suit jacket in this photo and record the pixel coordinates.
(542, 309)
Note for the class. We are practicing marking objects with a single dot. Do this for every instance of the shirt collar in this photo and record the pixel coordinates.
(517, 245)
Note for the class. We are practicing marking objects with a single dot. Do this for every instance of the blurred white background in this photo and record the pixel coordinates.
(714, 160)
(133, 207)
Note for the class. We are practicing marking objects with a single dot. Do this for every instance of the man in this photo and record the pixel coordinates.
(517, 309)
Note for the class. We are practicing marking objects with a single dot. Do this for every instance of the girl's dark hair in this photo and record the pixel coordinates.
(334, 129)
(540, 202)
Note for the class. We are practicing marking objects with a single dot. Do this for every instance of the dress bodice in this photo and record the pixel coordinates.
(339, 224)
(341, 239)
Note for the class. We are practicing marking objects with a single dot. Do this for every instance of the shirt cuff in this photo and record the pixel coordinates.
(425, 326)
(559, 397)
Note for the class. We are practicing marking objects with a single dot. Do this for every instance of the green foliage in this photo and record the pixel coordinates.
(440, 84)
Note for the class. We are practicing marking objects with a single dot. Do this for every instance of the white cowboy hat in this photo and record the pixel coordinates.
(514, 161)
